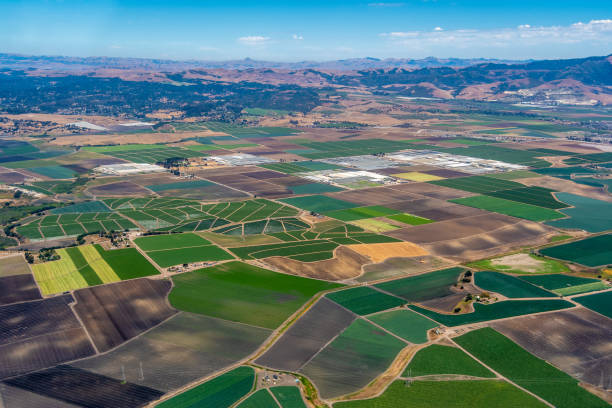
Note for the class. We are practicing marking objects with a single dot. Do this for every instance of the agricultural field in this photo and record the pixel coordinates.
(18, 288)
(478, 184)
(508, 285)
(593, 252)
(452, 394)
(174, 249)
(288, 397)
(318, 203)
(587, 214)
(352, 360)
(528, 371)
(365, 300)
(521, 263)
(425, 286)
(599, 302)
(508, 207)
(404, 323)
(565, 285)
(222, 391)
(498, 310)
(440, 359)
(89, 265)
(243, 293)
(143, 153)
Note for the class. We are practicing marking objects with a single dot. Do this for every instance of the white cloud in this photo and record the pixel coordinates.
(254, 40)
(297, 37)
(599, 31)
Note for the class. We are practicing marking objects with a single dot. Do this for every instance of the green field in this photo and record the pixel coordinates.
(478, 184)
(507, 207)
(243, 293)
(528, 371)
(440, 359)
(599, 302)
(205, 253)
(351, 148)
(318, 203)
(423, 287)
(498, 310)
(222, 391)
(513, 175)
(508, 285)
(593, 251)
(565, 285)
(406, 324)
(359, 213)
(259, 399)
(170, 241)
(288, 396)
(448, 394)
(410, 219)
(143, 153)
(244, 132)
(288, 249)
(588, 214)
(86, 207)
(352, 360)
(538, 196)
(55, 172)
(364, 300)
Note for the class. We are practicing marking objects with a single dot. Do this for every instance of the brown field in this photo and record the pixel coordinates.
(120, 189)
(433, 191)
(453, 229)
(18, 288)
(576, 341)
(288, 181)
(395, 267)
(346, 264)
(449, 212)
(446, 173)
(115, 313)
(380, 252)
(444, 304)
(9, 177)
(13, 265)
(500, 240)
(374, 196)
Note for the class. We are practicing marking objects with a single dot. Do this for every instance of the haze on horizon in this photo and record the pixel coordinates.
(314, 30)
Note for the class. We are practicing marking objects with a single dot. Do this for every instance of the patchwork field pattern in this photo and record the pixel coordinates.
(243, 293)
(440, 359)
(594, 251)
(144, 153)
(404, 323)
(364, 300)
(518, 365)
(508, 285)
(507, 207)
(423, 287)
(352, 360)
(565, 285)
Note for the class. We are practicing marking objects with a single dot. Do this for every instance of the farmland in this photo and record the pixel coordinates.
(599, 302)
(243, 293)
(439, 359)
(535, 375)
(452, 394)
(352, 360)
(495, 311)
(222, 391)
(404, 323)
(364, 300)
(594, 251)
(565, 285)
(423, 287)
(88, 265)
(507, 207)
(508, 285)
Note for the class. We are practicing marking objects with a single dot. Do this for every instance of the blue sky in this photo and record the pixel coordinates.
(307, 30)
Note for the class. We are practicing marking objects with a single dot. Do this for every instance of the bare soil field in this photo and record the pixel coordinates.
(453, 229)
(381, 252)
(503, 239)
(396, 267)
(346, 264)
(43, 351)
(85, 389)
(432, 191)
(568, 186)
(374, 196)
(449, 212)
(119, 189)
(180, 350)
(11, 177)
(18, 288)
(287, 181)
(321, 323)
(576, 341)
(13, 397)
(446, 173)
(13, 265)
(115, 313)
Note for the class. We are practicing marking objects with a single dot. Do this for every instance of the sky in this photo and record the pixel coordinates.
(307, 30)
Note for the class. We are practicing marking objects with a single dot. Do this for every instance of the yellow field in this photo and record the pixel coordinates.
(58, 276)
(374, 225)
(99, 265)
(417, 176)
(380, 252)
